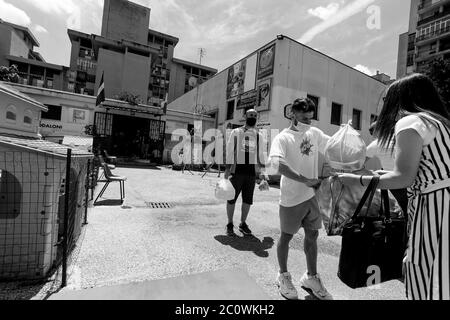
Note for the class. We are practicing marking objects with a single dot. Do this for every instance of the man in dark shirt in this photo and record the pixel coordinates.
(244, 167)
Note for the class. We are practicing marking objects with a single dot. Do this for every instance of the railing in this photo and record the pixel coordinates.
(433, 34)
(433, 17)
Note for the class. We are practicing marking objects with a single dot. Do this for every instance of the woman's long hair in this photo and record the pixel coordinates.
(414, 94)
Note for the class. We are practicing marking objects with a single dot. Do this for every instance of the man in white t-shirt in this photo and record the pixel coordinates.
(295, 155)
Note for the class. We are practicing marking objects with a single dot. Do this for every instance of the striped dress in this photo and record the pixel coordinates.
(427, 262)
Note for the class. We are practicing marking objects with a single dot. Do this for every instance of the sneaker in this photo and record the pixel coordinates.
(230, 230)
(243, 227)
(286, 287)
(314, 285)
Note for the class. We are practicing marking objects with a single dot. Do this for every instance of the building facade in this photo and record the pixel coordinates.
(270, 78)
(20, 115)
(17, 45)
(126, 48)
(428, 36)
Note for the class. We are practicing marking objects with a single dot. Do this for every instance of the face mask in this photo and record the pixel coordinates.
(251, 122)
(301, 126)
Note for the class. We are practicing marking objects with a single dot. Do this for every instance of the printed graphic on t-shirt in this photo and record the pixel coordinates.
(248, 145)
(306, 147)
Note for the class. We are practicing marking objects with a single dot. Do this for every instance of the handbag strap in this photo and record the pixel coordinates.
(386, 207)
(369, 194)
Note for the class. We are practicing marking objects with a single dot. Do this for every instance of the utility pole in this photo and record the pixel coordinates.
(201, 53)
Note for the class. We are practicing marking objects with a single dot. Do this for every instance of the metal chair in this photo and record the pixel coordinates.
(109, 178)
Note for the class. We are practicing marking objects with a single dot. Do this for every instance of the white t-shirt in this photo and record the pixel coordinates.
(301, 152)
(387, 158)
(427, 131)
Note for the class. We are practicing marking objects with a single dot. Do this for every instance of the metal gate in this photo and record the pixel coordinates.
(157, 133)
(103, 123)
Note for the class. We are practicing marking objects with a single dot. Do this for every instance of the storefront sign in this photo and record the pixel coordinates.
(264, 94)
(248, 100)
(236, 78)
(266, 62)
(51, 126)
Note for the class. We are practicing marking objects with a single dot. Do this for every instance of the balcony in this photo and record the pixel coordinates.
(436, 16)
(428, 5)
(433, 35)
(432, 54)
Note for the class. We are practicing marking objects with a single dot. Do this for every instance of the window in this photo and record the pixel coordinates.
(336, 114)
(11, 114)
(10, 196)
(230, 110)
(316, 102)
(28, 118)
(356, 120)
(53, 113)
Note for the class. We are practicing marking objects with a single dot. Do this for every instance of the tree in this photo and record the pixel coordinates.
(128, 97)
(9, 74)
(439, 71)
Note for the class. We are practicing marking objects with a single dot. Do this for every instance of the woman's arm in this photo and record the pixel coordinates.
(409, 148)
(407, 159)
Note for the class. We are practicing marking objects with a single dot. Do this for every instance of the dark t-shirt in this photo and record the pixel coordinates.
(246, 148)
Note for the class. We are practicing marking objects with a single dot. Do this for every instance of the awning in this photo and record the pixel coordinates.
(124, 106)
(78, 141)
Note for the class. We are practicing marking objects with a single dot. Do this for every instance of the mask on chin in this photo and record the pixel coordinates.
(251, 122)
(301, 126)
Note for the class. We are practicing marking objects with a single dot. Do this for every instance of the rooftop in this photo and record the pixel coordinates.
(34, 62)
(19, 95)
(24, 29)
(42, 146)
(192, 64)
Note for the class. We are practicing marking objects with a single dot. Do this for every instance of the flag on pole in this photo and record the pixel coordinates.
(165, 103)
(101, 92)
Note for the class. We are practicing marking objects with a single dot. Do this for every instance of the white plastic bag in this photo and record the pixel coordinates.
(225, 190)
(346, 150)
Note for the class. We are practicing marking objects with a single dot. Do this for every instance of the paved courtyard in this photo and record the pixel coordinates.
(134, 243)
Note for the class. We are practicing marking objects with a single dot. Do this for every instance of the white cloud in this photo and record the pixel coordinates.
(343, 14)
(365, 69)
(39, 29)
(12, 14)
(324, 12)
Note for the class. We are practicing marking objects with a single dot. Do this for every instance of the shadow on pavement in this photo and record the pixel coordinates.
(248, 243)
(109, 203)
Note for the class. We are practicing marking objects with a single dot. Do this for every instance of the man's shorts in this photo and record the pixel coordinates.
(246, 185)
(306, 215)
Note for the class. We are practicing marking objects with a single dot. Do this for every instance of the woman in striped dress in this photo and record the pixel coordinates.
(415, 119)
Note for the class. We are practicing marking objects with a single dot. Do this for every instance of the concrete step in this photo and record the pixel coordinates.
(217, 285)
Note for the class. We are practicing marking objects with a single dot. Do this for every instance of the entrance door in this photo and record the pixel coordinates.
(103, 123)
(157, 135)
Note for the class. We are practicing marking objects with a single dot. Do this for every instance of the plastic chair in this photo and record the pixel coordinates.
(110, 159)
(109, 179)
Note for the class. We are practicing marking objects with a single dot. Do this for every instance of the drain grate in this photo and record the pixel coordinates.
(158, 205)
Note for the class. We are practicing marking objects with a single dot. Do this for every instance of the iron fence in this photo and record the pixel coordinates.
(44, 200)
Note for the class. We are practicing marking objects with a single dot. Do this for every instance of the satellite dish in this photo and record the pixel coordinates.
(192, 81)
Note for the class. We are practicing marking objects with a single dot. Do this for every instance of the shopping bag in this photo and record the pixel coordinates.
(224, 190)
(346, 150)
(338, 202)
(372, 249)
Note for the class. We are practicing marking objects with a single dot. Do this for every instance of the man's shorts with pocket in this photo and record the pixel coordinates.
(305, 215)
(245, 184)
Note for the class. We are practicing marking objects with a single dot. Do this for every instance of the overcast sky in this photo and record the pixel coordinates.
(346, 30)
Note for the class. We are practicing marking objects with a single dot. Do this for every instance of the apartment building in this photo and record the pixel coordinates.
(270, 78)
(17, 47)
(428, 36)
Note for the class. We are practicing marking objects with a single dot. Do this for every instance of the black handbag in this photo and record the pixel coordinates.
(372, 249)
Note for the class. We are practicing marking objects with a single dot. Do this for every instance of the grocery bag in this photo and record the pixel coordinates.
(225, 190)
(338, 202)
(346, 150)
